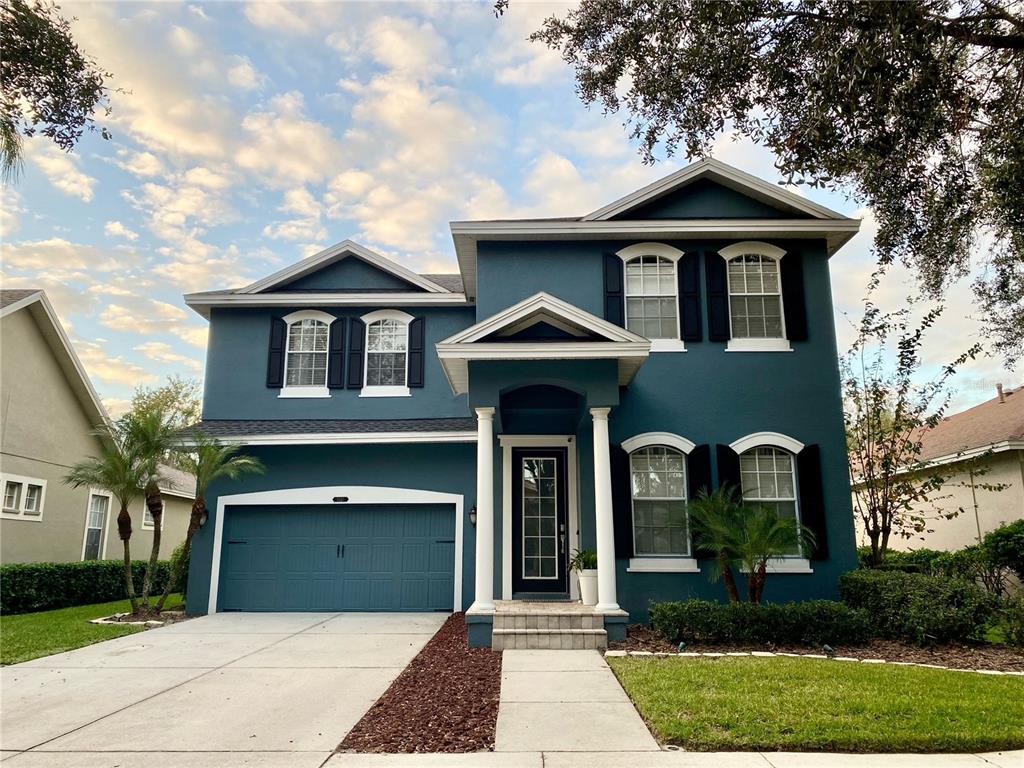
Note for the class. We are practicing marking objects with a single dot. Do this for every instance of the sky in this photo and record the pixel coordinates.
(247, 136)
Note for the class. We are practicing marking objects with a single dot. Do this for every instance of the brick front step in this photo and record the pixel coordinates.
(555, 620)
(554, 639)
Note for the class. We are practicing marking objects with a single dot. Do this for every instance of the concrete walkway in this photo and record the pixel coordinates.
(232, 689)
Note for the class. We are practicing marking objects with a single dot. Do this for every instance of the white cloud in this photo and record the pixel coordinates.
(57, 256)
(162, 352)
(117, 229)
(192, 334)
(10, 211)
(295, 229)
(244, 75)
(278, 17)
(142, 316)
(141, 163)
(514, 59)
(204, 177)
(61, 168)
(113, 369)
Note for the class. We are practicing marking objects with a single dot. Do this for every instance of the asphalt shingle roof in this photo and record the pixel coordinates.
(984, 424)
(228, 428)
(12, 295)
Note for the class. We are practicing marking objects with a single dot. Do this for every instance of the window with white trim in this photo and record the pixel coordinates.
(95, 526)
(652, 309)
(658, 482)
(12, 496)
(23, 497)
(33, 500)
(306, 353)
(386, 362)
(768, 479)
(755, 297)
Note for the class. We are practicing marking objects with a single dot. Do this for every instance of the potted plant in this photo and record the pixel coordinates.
(584, 562)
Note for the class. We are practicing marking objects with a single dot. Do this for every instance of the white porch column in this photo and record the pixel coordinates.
(483, 601)
(606, 597)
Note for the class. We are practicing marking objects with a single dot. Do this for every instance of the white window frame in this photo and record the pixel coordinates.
(758, 248)
(631, 252)
(291, 319)
(105, 532)
(377, 390)
(661, 563)
(19, 513)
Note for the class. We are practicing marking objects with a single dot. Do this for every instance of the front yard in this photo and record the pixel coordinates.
(794, 704)
(28, 636)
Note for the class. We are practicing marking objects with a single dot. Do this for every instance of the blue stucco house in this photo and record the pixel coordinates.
(439, 442)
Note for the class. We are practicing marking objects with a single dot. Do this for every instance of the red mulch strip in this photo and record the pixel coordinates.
(640, 637)
(446, 700)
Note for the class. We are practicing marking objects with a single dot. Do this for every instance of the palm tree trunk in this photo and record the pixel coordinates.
(155, 505)
(730, 582)
(198, 508)
(124, 532)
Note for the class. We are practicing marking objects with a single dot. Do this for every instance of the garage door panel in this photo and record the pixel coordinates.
(379, 558)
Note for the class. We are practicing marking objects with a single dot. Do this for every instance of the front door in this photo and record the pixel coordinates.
(539, 521)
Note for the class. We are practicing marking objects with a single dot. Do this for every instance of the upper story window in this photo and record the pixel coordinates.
(306, 349)
(23, 497)
(652, 294)
(756, 320)
(387, 354)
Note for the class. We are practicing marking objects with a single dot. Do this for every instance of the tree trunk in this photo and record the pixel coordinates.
(755, 583)
(875, 556)
(155, 505)
(124, 523)
(730, 582)
(198, 508)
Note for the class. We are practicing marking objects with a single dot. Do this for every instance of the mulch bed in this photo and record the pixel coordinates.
(446, 700)
(640, 637)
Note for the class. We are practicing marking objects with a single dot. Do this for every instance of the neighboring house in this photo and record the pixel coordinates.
(440, 441)
(982, 446)
(48, 410)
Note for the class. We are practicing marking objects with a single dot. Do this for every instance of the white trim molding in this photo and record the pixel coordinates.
(20, 512)
(305, 391)
(649, 249)
(791, 565)
(755, 439)
(357, 495)
(748, 344)
(661, 250)
(663, 565)
(507, 443)
(105, 531)
(658, 438)
(730, 252)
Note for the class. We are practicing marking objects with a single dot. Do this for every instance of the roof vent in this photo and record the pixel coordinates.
(999, 391)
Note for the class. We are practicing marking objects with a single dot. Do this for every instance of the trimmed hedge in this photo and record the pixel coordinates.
(28, 587)
(918, 607)
(811, 622)
(912, 561)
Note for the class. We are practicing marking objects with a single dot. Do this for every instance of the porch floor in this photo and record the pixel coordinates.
(545, 607)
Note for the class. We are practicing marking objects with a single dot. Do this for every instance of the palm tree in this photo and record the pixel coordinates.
(117, 470)
(149, 436)
(715, 518)
(762, 535)
(208, 460)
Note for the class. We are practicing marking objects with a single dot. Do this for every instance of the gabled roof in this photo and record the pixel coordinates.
(996, 424)
(721, 173)
(337, 252)
(595, 338)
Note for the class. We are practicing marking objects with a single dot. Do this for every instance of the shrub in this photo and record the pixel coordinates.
(911, 561)
(808, 623)
(179, 555)
(976, 564)
(916, 606)
(1005, 546)
(27, 587)
(1012, 615)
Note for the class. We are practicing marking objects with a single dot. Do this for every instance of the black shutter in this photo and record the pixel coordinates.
(622, 503)
(812, 498)
(356, 343)
(416, 345)
(791, 273)
(336, 354)
(689, 297)
(275, 353)
(698, 470)
(728, 468)
(614, 302)
(718, 296)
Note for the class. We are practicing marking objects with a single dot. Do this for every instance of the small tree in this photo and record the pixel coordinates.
(118, 470)
(179, 399)
(714, 517)
(887, 408)
(208, 460)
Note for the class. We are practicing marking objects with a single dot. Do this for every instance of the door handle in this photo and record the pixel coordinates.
(340, 551)
(561, 538)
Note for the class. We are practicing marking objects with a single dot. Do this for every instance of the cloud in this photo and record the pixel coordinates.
(142, 316)
(279, 17)
(140, 163)
(243, 74)
(57, 256)
(204, 177)
(10, 211)
(195, 335)
(514, 59)
(113, 369)
(295, 229)
(61, 168)
(162, 352)
(117, 229)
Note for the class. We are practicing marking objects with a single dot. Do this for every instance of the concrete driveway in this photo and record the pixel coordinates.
(254, 689)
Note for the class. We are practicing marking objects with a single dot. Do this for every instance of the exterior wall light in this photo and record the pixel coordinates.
(472, 515)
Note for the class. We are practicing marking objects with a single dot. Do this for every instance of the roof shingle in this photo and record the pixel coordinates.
(983, 425)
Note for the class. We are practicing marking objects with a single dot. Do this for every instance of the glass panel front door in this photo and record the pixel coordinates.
(539, 524)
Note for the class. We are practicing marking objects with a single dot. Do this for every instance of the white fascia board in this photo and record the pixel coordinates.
(342, 249)
(952, 458)
(349, 438)
(202, 303)
(10, 309)
(729, 176)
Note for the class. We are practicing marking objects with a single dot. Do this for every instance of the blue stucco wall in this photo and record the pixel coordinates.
(352, 274)
(448, 468)
(705, 199)
(236, 373)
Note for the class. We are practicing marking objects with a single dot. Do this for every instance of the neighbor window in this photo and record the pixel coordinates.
(95, 525)
(306, 361)
(768, 479)
(658, 479)
(33, 499)
(651, 309)
(12, 496)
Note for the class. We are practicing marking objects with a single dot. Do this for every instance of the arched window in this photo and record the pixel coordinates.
(305, 365)
(755, 294)
(387, 353)
(651, 293)
(768, 479)
(658, 480)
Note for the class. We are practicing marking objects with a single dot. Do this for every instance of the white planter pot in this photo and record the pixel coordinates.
(588, 587)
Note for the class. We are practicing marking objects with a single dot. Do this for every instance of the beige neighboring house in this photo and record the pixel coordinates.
(48, 409)
(996, 428)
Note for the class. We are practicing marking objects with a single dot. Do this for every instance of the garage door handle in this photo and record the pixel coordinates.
(444, 541)
(237, 541)
(341, 551)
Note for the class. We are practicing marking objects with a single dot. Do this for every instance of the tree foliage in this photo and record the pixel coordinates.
(179, 398)
(48, 85)
(917, 108)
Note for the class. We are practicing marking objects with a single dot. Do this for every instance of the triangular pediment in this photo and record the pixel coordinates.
(345, 267)
(711, 189)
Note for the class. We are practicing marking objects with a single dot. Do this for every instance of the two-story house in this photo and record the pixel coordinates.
(439, 442)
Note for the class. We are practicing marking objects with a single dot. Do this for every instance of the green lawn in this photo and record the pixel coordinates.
(31, 635)
(814, 704)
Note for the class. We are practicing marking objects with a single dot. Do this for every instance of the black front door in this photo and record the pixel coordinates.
(539, 520)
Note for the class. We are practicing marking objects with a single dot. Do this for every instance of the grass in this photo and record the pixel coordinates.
(814, 704)
(31, 635)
